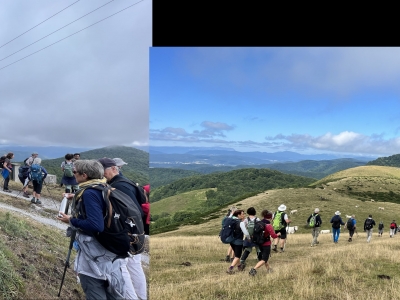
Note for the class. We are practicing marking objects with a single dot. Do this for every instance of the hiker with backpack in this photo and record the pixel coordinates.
(37, 174)
(23, 172)
(351, 227)
(368, 225)
(248, 245)
(314, 222)
(5, 164)
(233, 233)
(77, 156)
(380, 228)
(229, 255)
(393, 228)
(68, 179)
(336, 221)
(264, 242)
(134, 272)
(279, 222)
(98, 268)
(30, 159)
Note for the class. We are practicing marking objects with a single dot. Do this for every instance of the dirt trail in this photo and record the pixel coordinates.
(34, 211)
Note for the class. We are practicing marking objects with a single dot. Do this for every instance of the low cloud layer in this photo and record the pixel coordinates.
(343, 142)
(89, 90)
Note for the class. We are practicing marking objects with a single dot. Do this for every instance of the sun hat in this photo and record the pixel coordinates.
(282, 207)
(337, 213)
(316, 210)
(119, 162)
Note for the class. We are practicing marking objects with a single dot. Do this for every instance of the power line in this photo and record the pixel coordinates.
(37, 25)
(70, 35)
(54, 31)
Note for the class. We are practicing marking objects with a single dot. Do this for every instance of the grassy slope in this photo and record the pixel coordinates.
(193, 200)
(328, 271)
(34, 255)
(372, 178)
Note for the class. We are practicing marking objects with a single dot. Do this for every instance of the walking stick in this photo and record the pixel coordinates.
(67, 260)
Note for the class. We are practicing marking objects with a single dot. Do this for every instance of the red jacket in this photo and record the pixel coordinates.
(146, 211)
(269, 231)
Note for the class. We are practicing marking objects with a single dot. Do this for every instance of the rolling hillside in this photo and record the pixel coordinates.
(349, 191)
(164, 176)
(136, 169)
(390, 161)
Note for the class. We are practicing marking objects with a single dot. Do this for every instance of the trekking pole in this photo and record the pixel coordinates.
(67, 259)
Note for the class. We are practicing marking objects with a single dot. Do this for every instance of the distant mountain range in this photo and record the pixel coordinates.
(177, 157)
(49, 152)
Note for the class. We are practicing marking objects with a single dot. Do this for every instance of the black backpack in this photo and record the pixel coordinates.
(258, 237)
(25, 161)
(2, 160)
(349, 224)
(123, 225)
(230, 230)
(140, 197)
(23, 171)
(368, 224)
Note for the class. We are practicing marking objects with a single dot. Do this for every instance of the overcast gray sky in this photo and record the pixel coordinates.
(88, 90)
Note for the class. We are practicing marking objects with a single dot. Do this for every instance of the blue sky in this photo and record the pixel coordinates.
(343, 100)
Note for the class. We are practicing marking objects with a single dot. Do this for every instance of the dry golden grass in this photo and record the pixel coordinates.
(327, 271)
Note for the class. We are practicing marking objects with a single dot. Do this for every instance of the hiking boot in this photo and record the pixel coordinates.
(33, 200)
(282, 250)
(275, 249)
(252, 272)
(38, 201)
(7, 191)
(227, 258)
(26, 195)
(230, 271)
(241, 267)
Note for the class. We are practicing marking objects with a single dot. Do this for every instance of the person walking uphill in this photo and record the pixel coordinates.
(37, 174)
(393, 228)
(380, 228)
(247, 244)
(315, 222)
(68, 179)
(368, 225)
(336, 222)
(279, 222)
(237, 243)
(98, 269)
(7, 170)
(351, 226)
(266, 246)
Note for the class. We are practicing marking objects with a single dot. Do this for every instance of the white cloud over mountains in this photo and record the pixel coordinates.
(343, 142)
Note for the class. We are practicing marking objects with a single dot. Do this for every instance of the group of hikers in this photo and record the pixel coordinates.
(108, 261)
(245, 233)
(269, 234)
(315, 222)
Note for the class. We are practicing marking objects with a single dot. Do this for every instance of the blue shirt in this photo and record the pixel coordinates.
(94, 207)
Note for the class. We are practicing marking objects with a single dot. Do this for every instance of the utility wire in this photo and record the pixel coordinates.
(37, 25)
(70, 35)
(54, 32)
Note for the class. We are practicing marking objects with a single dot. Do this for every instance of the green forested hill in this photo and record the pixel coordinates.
(136, 169)
(231, 184)
(219, 189)
(390, 161)
(163, 176)
(308, 168)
